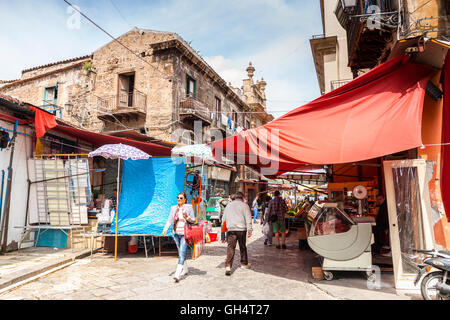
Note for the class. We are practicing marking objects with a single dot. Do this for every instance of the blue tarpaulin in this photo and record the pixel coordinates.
(149, 189)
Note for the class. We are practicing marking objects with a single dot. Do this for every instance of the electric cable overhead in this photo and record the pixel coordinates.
(120, 13)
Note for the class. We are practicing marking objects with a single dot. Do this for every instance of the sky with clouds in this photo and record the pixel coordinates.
(273, 34)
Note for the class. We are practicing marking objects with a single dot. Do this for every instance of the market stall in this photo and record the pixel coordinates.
(343, 241)
(354, 131)
(119, 152)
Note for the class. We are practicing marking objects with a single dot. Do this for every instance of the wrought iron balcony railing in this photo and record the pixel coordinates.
(338, 83)
(123, 102)
(193, 108)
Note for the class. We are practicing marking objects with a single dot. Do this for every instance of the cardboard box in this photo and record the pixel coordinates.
(317, 273)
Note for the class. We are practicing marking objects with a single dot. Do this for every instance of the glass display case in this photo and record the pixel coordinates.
(330, 220)
(341, 240)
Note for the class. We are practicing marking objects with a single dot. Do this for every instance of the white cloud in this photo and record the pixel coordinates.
(285, 64)
(228, 70)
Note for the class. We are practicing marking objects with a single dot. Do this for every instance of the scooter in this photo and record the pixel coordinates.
(435, 285)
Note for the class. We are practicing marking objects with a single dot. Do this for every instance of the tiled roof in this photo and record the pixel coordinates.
(12, 99)
(7, 81)
(58, 62)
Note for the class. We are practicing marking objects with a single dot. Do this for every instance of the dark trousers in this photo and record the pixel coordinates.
(379, 234)
(233, 238)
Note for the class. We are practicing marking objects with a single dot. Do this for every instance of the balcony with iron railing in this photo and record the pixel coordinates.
(369, 29)
(123, 104)
(338, 83)
(191, 109)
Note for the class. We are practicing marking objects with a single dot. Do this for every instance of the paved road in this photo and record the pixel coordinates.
(275, 274)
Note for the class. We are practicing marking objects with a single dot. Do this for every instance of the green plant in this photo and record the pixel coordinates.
(87, 66)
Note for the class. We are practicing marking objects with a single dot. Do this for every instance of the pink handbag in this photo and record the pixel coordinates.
(193, 233)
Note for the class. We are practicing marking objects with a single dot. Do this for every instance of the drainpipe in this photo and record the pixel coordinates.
(1, 202)
(8, 190)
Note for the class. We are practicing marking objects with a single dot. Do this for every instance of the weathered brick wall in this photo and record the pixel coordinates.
(74, 85)
(206, 88)
(152, 78)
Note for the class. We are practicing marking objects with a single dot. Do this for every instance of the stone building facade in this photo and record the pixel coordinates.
(149, 81)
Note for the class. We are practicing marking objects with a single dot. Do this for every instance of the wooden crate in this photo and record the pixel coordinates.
(91, 226)
(317, 273)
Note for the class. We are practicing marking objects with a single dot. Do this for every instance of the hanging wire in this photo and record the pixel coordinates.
(116, 40)
(120, 13)
(434, 145)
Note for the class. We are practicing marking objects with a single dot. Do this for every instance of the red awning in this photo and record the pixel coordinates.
(445, 153)
(98, 139)
(376, 114)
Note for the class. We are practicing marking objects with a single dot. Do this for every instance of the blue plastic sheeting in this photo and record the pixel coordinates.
(51, 238)
(149, 189)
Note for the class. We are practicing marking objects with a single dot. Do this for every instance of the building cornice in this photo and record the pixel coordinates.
(201, 64)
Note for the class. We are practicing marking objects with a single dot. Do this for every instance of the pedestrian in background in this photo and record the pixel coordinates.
(238, 220)
(256, 207)
(180, 214)
(223, 204)
(278, 209)
(267, 224)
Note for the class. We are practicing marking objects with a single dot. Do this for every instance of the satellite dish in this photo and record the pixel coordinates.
(360, 192)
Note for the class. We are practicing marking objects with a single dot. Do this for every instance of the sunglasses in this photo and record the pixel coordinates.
(180, 198)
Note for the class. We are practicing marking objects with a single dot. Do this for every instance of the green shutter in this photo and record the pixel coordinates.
(195, 89)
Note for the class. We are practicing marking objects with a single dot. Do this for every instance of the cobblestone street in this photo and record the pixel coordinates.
(275, 275)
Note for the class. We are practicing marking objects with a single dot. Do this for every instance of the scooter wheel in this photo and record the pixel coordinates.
(428, 286)
(328, 275)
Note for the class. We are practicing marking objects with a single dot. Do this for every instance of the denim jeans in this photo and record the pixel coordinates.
(255, 214)
(181, 246)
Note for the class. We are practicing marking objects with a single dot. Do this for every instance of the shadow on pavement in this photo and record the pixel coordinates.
(296, 264)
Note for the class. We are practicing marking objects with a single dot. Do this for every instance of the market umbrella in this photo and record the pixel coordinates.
(124, 152)
(194, 150)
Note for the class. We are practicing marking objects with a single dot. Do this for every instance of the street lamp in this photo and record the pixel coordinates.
(68, 106)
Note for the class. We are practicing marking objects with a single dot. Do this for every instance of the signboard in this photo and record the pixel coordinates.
(217, 173)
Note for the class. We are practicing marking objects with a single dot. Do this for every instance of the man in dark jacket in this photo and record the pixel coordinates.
(382, 225)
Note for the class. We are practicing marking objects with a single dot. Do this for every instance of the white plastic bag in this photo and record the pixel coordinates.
(266, 228)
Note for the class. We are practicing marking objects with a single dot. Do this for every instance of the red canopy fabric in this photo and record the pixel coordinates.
(376, 114)
(98, 139)
(445, 153)
(43, 121)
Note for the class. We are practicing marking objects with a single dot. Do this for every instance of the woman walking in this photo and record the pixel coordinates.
(179, 215)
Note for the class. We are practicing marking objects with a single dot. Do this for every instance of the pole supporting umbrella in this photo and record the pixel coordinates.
(124, 152)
